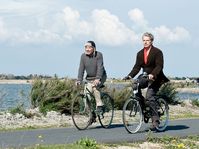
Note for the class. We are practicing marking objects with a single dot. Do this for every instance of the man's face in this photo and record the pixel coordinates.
(89, 50)
(146, 41)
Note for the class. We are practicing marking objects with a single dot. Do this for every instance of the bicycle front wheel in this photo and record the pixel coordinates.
(80, 111)
(163, 112)
(107, 117)
(132, 115)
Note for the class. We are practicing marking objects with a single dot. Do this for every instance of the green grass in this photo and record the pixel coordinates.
(177, 142)
(83, 143)
(166, 142)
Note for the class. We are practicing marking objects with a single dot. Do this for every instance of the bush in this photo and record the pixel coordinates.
(119, 96)
(53, 95)
(169, 92)
(20, 109)
(195, 102)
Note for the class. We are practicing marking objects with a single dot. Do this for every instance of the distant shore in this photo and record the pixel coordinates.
(189, 90)
(16, 81)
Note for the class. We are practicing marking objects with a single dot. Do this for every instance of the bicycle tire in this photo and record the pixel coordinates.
(132, 115)
(163, 112)
(81, 112)
(107, 117)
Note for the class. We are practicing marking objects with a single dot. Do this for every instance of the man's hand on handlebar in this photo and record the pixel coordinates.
(151, 77)
(96, 82)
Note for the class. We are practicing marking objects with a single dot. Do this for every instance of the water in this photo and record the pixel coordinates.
(12, 95)
(191, 96)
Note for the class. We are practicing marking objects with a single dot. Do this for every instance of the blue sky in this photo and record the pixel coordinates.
(47, 36)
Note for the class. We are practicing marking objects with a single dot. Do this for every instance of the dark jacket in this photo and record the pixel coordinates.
(154, 65)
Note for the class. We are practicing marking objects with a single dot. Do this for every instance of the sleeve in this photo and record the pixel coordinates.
(136, 67)
(100, 66)
(159, 62)
(81, 69)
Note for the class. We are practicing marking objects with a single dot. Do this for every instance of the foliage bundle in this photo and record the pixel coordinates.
(55, 94)
(168, 91)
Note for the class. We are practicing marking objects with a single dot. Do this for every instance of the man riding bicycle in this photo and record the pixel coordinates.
(150, 59)
(92, 62)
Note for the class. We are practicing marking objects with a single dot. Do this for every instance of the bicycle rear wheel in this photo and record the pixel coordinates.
(107, 117)
(80, 112)
(163, 111)
(132, 115)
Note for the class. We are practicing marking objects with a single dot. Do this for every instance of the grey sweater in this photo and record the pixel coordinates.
(93, 64)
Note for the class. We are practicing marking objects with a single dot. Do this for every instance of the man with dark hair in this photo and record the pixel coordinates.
(150, 59)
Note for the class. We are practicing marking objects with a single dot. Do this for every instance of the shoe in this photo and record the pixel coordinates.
(155, 122)
(100, 109)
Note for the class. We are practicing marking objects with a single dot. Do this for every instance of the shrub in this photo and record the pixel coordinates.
(53, 94)
(169, 92)
(195, 102)
(20, 109)
(119, 96)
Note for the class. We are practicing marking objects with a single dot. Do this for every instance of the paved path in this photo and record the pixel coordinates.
(116, 133)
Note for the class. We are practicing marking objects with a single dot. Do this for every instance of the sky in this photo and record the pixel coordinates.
(47, 37)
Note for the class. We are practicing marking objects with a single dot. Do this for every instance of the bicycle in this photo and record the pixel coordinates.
(135, 112)
(84, 108)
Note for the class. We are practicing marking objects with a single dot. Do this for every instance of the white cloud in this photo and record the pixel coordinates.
(73, 23)
(68, 25)
(166, 35)
(138, 17)
(24, 7)
(162, 33)
(108, 29)
(102, 26)
(35, 37)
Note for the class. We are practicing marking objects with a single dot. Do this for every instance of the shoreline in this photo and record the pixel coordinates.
(16, 81)
(182, 90)
(188, 90)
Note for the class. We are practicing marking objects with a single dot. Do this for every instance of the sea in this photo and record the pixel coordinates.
(13, 95)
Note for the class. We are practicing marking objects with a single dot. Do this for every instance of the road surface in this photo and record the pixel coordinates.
(115, 134)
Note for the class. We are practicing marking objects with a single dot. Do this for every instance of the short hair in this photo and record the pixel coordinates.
(148, 35)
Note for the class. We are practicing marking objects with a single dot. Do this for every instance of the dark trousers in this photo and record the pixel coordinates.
(150, 99)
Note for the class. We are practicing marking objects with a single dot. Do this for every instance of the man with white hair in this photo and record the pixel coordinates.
(92, 62)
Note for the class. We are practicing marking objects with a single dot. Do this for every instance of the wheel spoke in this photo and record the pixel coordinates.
(106, 117)
(132, 115)
(80, 112)
(163, 112)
